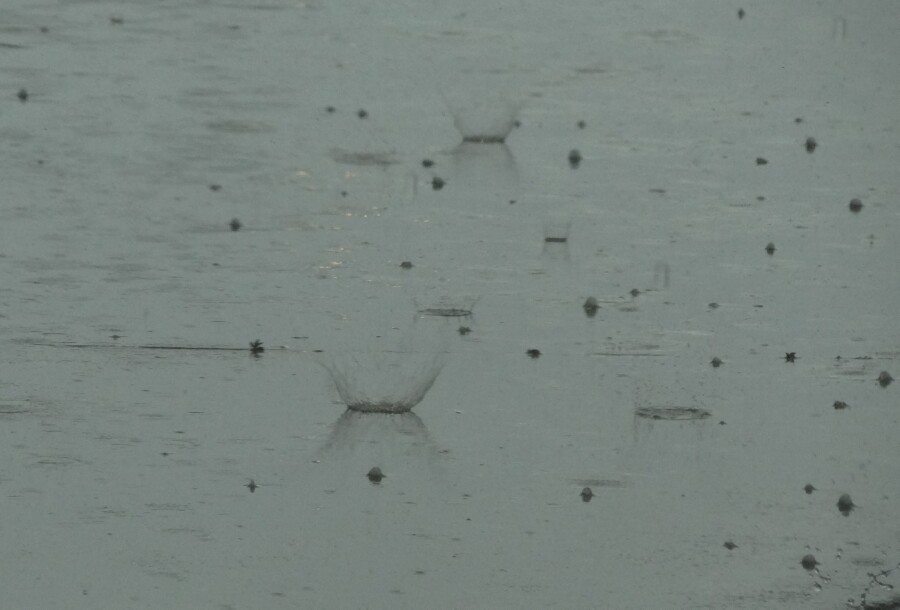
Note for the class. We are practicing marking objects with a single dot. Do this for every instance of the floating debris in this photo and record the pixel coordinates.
(808, 488)
(215, 187)
(840, 405)
(855, 205)
(716, 362)
(671, 413)
(427, 163)
(713, 305)
(375, 475)
(256, 347)
(761, 161)
(741, 13)
(845, 505)
(586, 494)
(437, 183)
(730, 545)
(251, 486)
(464, 330)
(581, 124)
(790, 356)
(116, 20)
(22, 95)
(406, 265)
(885, 379)
(574, 158)
(235, 224)
(770, 248)
(811, 145)
(809, 563)
(361, 113)
(534, 353)
(634, 292)
(590, 307)
(330, 109)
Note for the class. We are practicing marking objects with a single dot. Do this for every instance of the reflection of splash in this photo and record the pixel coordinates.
(383, 382)
(393, 441)
(482, 172)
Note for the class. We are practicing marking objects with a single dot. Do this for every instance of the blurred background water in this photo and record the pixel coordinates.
(133, 134)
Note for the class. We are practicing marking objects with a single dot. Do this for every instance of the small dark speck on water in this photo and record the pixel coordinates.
(713, 306)
(256, 347)
(251, 486)
(586, 494)
(215, 187)
(534, 353)
(235, 224)
(406, 265)
(634, 292)
(116, 20)
(855, 205)
(798, 120)
(22, 95)
(574, 158)
(811, 145)
(885, 379)
(790, 356)
(437, 183)
(761, 161)
(590, 307)
(330, 109)
(730, 545)
(741, 13)
(809, 562)
(840, 405)
(808, 488)
(427, 163)
(361, 113)
(464, 330)
(770, 248)
(581, 124)
(716, 362)
(375, 475)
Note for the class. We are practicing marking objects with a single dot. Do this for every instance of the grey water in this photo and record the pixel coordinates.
(344, 138)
